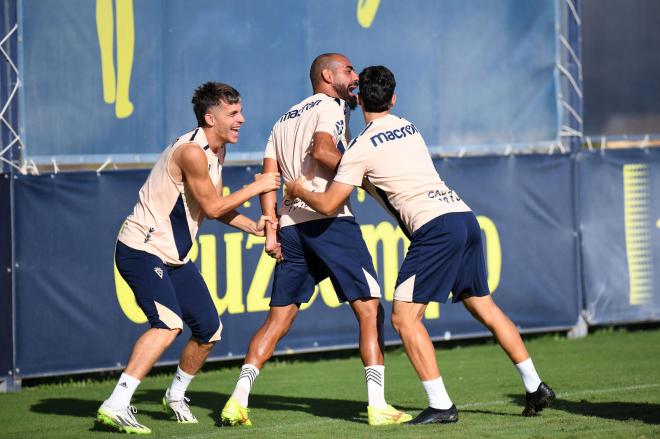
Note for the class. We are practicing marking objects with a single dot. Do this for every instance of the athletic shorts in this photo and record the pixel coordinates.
(445, 255)
(169, 295)
(315, 250)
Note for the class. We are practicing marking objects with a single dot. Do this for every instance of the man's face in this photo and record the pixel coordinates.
(345, 80)
(228, 120)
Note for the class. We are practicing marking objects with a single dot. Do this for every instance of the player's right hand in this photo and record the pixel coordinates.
(267, 182)
(294, 189)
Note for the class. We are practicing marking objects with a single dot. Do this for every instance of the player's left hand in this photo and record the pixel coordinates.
(265, 221)
(273, 248)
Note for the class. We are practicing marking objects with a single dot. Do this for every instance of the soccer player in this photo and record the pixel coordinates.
(308, 140)
(445, 253)
(183, 188)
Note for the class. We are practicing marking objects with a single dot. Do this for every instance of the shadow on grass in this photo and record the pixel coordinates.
(621, 411)
(346, 410)
(645, 412)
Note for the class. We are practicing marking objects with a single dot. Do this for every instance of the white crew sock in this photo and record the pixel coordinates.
(438, 397)
(179, 385)
(375, 376)
(528, 374)
(121, 396)
(249, 373)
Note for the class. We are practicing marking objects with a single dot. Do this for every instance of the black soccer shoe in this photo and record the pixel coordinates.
(435, 416)
(537, 401)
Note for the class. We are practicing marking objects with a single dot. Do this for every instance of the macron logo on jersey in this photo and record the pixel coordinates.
(398, 133)
(292, 114)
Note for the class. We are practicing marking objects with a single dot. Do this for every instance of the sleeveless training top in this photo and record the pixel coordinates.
(166, 217)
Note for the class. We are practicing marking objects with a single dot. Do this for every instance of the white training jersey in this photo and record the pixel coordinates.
(166, 217)
(399, 172)
(290, 144)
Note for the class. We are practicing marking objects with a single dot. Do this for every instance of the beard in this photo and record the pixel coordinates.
(344, 93)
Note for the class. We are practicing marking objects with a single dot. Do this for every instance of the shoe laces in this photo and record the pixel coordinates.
(181, 404)
(130, 412)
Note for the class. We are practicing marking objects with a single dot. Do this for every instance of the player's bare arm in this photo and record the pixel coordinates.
(192, 165)
(242, 222)
(269, 209)
(245, 224)
(326, 202)
(324, 150)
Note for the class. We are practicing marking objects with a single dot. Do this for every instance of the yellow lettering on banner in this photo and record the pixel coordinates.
(391, 239)
(432, 311)
(193, 253)
(116, 85)
(361, 195)
(208, 265)
(328, 293)
(636, 220)
(304, 306)
(232, 301)
(127, 301)
(366, 12)
(493, 252)
(256, 296)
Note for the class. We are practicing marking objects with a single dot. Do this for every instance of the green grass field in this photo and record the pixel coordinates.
(608, 386)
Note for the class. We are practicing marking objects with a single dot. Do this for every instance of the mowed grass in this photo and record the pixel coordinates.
(608, 386)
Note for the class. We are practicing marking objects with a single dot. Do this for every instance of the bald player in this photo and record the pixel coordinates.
(445, 253)
(183, 188)
(308, 140)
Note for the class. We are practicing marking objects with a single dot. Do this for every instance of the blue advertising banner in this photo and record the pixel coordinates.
(469, 73)
(620, 227)
(6, 307)
(621, 89)
(74, 313)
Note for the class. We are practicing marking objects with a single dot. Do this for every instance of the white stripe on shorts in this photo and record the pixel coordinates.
(374, 288)
(404, 292)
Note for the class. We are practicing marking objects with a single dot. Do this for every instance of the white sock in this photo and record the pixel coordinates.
(438, 397)
(249, 373)
(375, 376)
(121, 396)
(528, 374)
(179, 385)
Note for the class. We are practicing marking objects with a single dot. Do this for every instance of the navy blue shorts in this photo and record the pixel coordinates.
(445, 255)
(169, 295)
(315, 250)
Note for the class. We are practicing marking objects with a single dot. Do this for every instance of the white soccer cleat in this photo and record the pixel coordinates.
(180, 409)
(121, 419)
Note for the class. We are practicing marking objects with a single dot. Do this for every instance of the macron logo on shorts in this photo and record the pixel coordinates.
(158, 271)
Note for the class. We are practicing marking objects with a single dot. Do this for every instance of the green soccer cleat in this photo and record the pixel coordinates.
(121, 419)
(235, 414)
(387, 416)
(179, 409)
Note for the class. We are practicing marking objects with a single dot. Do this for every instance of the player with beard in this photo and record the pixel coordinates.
(391, 161)
(309, 140)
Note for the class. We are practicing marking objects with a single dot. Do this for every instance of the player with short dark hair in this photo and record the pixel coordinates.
(308, 140)
(445, 255)
(184, 187)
